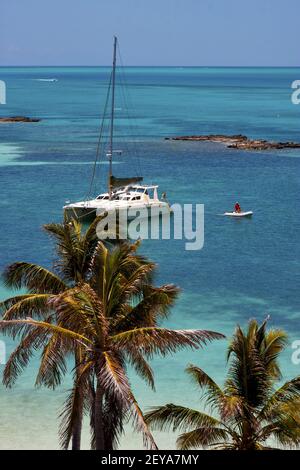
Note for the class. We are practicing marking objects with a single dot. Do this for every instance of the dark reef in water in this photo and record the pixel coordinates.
(18, 119)
(238, 141)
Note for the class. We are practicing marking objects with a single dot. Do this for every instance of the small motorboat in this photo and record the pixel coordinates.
(239, 214)
(47, 79)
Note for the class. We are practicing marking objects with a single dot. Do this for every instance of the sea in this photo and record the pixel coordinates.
(247, 268)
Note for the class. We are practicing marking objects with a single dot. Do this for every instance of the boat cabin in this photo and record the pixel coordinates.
(132, 193)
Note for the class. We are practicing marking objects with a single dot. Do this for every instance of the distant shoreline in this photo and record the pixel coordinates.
(11, 119)
(239, 141)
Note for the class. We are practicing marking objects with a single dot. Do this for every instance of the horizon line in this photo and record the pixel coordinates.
(157, 66)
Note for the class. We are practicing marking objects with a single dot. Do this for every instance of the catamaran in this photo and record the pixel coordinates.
(122, 193)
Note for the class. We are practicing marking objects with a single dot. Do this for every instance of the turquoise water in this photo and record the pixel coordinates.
(247, 268)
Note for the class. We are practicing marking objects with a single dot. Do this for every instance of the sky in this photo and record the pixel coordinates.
(150, 32)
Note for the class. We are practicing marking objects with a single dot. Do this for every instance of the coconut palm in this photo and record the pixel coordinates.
(121, 279)
(248, 413)
(75, 249)
(81, 318)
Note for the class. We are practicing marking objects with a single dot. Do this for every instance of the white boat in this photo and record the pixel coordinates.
(127, 199)
(122, 194)
(239, 214)
(46, 79)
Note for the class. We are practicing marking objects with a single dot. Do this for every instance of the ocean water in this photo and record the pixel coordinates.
(246, 269)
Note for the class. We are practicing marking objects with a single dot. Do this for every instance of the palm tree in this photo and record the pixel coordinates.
(75, 249)
(81, 319)
(121, 280)
(248, 412)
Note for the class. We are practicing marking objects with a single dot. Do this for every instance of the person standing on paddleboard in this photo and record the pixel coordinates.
(237, 208)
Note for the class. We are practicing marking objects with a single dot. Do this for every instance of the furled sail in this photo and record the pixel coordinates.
(117, 182)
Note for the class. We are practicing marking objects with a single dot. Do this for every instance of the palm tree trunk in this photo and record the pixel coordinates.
(76, 436)
(99, 428)
(77, 427)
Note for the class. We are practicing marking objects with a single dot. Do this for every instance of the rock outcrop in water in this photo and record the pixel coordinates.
(238, 141)
(18, 119)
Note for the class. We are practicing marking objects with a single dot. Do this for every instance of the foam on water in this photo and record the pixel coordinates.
(9, 153)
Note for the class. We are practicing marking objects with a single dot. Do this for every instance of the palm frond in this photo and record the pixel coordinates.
(247, 376)
(173, 417)
(89, 243)
(228, 405)
(202, 437)
(152, 341)
(69, 246)
(154, 305)
(141, 367)
(79, 309)
(287, 394)
(112, 378)
(53, 362)
(17, 327)
(32, 277)
(20, 357)
(98, 266)
(118, 265)
(125, 256)
(275, 342)
(215, 393)
(286, 431)
(74, 404)
(90, 236)
(141, 426)
(115, 384)
(23, 306)
(120, 289)
(114, 416)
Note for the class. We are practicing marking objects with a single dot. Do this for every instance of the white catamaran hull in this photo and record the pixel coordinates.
(82, 211)
(141, 211)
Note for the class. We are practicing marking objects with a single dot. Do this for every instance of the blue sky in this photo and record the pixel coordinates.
(151, 32)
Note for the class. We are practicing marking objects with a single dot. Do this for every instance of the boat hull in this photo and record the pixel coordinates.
(239, 214)
(80, 213)
(140, 211)
(127, 213)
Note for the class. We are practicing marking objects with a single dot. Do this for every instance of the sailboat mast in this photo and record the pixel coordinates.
(112, 116)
